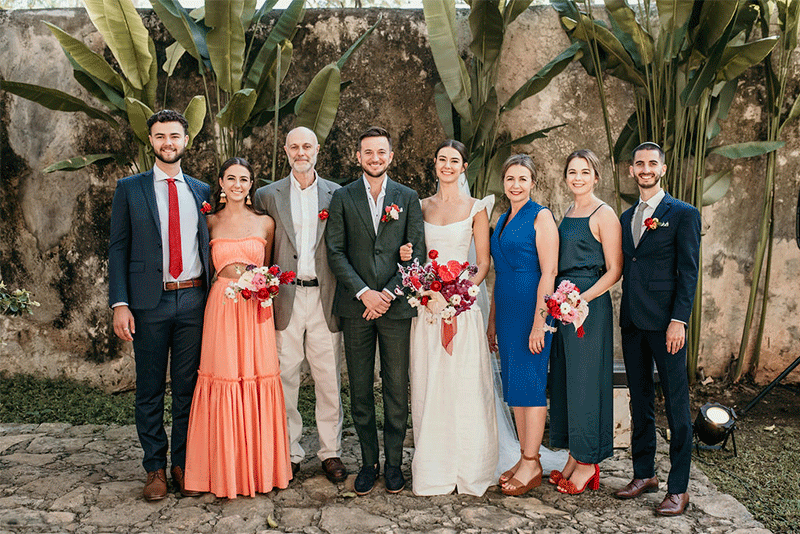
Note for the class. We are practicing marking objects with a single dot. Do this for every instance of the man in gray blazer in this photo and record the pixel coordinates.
(370, 219)
(306, 329)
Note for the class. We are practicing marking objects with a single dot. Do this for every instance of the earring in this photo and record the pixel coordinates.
(247, 201)
(223, 198)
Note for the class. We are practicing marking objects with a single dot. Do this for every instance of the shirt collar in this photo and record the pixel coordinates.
(369, 188)
(655, 200)
(296, 184)
(158, 174)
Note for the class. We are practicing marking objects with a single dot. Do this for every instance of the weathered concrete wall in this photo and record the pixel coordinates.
(54, 227)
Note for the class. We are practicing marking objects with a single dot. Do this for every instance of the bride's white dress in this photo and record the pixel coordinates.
(452, 396)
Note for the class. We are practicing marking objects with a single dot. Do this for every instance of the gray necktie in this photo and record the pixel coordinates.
(637, 223)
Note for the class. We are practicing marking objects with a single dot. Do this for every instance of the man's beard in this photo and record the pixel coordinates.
(177, 157)
(372, 174)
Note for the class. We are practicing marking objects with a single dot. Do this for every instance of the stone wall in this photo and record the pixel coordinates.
(54, 227)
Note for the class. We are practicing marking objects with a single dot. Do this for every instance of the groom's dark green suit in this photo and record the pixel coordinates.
(361, 259)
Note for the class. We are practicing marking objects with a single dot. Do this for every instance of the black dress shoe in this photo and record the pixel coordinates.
(334, 469)
(365, 480)
(393, 478)
(295, 468)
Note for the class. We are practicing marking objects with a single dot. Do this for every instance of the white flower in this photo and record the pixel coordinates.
(230, 292)
(448, 312)
(413, 302)
(565, 308)
(473, 291)
(455, 300)
(265, 303)
(573, 296)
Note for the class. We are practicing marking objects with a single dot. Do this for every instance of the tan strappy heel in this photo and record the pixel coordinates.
(536, 481)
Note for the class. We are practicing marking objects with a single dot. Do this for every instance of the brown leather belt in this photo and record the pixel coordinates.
(183, 284)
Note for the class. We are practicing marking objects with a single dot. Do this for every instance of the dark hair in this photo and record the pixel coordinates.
(375, 131)
(218, 190)
(523, 160)
(452, 143)
(589, 156)
(648, 145)
(167, 115)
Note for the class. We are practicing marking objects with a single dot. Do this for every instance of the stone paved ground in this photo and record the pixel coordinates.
(88, 479)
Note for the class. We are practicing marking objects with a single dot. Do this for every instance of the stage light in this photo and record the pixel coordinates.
(714, 424)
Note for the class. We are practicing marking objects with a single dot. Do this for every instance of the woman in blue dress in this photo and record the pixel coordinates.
(524, 247)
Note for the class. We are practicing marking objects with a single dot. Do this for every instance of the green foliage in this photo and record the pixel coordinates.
(466, 99)
(16, 302)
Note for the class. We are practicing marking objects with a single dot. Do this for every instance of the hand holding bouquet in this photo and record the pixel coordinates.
(567, 306)
(258, 283)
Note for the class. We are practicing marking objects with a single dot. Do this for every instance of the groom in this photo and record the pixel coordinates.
(661, 246)
(370, 219)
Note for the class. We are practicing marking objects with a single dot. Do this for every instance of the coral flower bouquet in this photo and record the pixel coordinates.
(567, 306)
(260, 284)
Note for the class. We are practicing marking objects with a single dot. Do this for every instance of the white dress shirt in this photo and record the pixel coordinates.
(375, 206)
(649, 209)
(187, 206)
(305, 216)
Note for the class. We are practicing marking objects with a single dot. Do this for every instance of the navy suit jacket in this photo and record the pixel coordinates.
(659, 276)
(135, 262)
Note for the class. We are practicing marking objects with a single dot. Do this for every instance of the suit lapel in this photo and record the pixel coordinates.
(149, 193)
(324, 195)
(284, 207)
(359, 194)
(392, 191)
(661, 210)
(627, 234)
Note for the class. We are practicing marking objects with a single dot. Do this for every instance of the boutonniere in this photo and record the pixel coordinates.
(651, 223)
(323, 214)
(205, 208)
(391, 213)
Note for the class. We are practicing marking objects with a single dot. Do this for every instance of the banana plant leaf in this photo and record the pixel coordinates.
(714, 20)
(106, 94)
(55, 100)
(238, 109)
(357, 44)
(630, 33)
(541, 79)
(174, 54)
(151, 86)
(440, 18)
(793, 113)
(514, 8)
(195, 114)
(484, 120)
(180, 24)
(226, 42)
(284, 30)
(538, 134)
(129, 41)
(266, 91)
(138, 113)
(444, 109)
(316, 109)
(627, 140)
(488, 28)
(746, 150)
(715, 186)
(674, 14)
(738, 58)
(78, 162)
(265, 8)
(89, 61)
(248, 11)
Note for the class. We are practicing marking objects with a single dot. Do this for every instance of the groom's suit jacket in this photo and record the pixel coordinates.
(359, 258)
(275, 199)
(135, 263)
(659, 276)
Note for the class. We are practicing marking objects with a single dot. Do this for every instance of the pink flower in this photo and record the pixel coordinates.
(259, 280)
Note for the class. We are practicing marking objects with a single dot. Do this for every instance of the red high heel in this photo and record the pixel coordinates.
(557, 476)
(568, 487)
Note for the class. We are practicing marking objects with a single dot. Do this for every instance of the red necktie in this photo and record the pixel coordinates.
(175, 259)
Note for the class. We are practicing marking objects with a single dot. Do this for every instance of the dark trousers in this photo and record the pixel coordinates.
(640, 348)
(174, 326)
(393, 337)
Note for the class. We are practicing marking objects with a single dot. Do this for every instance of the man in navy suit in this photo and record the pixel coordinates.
(158, 278)
(661, 247)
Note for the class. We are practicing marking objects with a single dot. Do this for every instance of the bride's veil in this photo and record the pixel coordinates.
(506, 433)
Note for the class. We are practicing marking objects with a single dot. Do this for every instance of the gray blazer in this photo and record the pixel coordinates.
(275, 199)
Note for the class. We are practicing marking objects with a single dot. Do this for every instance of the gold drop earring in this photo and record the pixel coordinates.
(223, 198)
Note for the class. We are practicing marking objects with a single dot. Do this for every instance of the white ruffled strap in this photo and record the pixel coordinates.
(485, 203)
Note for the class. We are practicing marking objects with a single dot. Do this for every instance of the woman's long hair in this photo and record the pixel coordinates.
(217, 206)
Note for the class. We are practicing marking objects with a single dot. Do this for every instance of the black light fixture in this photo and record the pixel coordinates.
(715, 423)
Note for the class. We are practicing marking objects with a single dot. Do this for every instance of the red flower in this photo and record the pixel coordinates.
(424, 300)
(205, 208)
(580, 331)
(263, 293)
(323, 214)
(433, 254)
(385, 218)
(445, 274)
(415, 281)
(274, 270)
(651, 224)
(246, 294)
(286, 277)
(273, 289)
(436, 285)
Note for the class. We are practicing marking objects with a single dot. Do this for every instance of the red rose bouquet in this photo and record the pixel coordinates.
(260, 284)
(567, 306)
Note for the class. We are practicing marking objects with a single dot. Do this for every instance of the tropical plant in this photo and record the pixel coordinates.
(684, 75)
(242, 80)
(777, 69)
(129, 96)
(466, 98)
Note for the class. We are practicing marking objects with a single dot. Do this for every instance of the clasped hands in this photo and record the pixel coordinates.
(376, 302)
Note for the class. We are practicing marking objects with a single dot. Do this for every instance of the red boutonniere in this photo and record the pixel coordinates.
(392, 213)
(652, 223)
(205, 208)
(323, 214)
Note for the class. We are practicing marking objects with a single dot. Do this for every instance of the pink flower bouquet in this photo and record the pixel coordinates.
(567, 306)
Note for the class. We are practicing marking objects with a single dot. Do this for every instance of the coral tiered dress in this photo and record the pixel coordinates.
(237, 442)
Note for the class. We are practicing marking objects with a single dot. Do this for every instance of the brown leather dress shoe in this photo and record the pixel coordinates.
(673, 504)
(334, 469)
(177, 479)
(155, 488)
(636, 487)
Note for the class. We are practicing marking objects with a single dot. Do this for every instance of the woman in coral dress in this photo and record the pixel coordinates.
(237, 442)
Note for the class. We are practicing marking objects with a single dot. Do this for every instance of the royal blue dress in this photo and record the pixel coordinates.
(516, 264)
